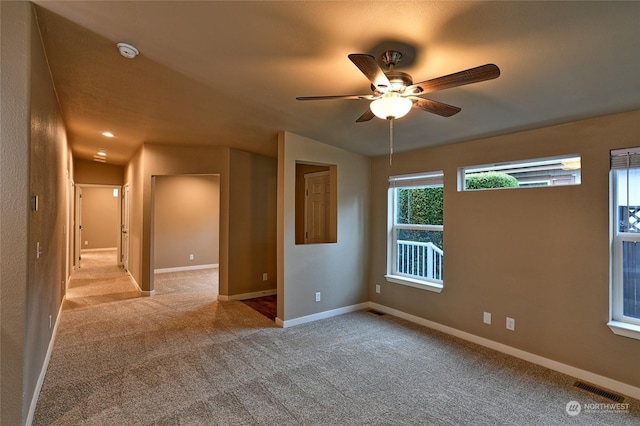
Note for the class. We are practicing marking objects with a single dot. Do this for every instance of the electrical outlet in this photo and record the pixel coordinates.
(511, 324)
(487, 318)
(86, 243)
(265, 276)
(317, 296)
(378, 288)
(190, 257)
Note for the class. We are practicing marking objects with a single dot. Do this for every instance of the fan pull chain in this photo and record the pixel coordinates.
(390, 140)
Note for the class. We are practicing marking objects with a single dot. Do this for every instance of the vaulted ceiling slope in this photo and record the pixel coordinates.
(227, 73)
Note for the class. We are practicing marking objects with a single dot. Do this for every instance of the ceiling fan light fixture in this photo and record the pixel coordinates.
(391, 106)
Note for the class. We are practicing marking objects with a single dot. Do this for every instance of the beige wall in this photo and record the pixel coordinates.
(247, 211)
(186, 221)
(93, 172)
(539, 255)
(252, 222)
(34, 161)
(336, 270)
(15, 36)
(100, 217)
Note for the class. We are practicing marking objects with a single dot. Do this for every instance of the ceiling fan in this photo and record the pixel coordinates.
(394, 93)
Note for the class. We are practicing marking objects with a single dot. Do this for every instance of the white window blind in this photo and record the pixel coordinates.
(416, 179)
(626, 158)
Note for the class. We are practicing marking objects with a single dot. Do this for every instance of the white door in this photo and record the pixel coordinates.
(78, 227)
(125, 228)
(317, 205)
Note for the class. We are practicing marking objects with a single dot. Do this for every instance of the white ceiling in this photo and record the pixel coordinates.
(228, 73)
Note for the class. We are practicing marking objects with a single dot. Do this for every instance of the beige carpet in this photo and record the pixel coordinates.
(99, 280)
(180, 358)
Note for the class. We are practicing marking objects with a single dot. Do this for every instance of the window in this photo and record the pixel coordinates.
(625, 249)
(416, 230)
(550, 171)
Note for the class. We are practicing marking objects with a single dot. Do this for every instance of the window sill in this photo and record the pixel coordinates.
(625, 329)
(423, 285)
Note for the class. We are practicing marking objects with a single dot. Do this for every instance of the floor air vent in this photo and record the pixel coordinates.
(601, 392)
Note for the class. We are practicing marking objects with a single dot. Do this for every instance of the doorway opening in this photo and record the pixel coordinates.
(185, 234)
(97, 275)
(98, 222)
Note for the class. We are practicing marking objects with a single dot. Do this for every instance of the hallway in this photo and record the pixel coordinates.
(99, 280)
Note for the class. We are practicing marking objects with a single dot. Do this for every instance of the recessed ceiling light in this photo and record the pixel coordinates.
(108, 134)
(100, 160)
(102, 153)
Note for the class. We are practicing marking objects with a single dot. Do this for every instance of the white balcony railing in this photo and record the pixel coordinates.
(419, 260)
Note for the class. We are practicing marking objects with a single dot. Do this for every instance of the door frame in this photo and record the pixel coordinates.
(78, 220)
(77, 228)
(125, 217)
(69, 229)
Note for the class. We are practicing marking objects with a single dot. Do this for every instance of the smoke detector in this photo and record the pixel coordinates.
(127, 50)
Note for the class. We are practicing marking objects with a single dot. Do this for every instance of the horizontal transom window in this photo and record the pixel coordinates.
(549, 171)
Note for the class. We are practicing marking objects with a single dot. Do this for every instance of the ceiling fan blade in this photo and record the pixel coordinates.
(368, 115)
(472, 75)
(319, 98)
(435, 107)
(370, 68)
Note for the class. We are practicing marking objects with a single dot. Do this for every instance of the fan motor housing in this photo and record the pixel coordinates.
(399, 81)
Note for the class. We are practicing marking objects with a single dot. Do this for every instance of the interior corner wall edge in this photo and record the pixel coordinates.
(252, 223)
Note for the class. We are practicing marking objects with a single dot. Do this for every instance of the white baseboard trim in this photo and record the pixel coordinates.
(322, 315)
(185, 268)
(98, 249)
(143, 293)
(45, 365)
(569, 370)
(245, 296)
(134, 281)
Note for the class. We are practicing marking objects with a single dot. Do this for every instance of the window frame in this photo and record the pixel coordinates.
(619, 323)
(520, 166)
(414, 180)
